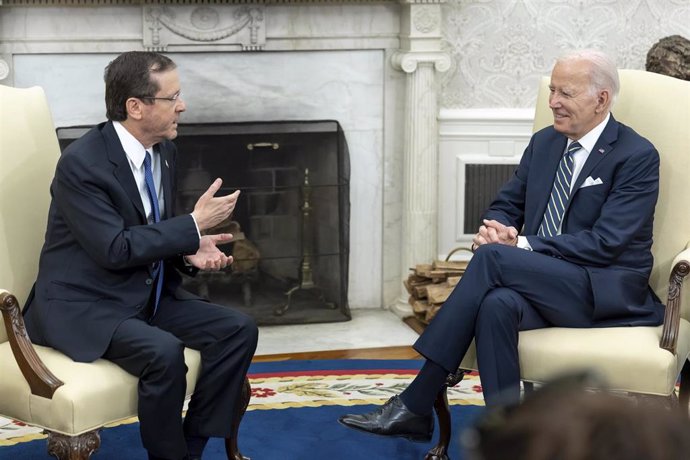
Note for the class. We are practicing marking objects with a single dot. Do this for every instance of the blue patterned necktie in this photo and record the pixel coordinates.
(151, 189)
(560, 194)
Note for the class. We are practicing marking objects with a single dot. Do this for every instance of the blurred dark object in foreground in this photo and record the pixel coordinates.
(563, 420)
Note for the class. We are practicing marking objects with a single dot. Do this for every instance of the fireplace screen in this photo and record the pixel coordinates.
(291, 222)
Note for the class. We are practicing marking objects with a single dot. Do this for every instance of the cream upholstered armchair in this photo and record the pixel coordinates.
(636, 360)
(41, 386)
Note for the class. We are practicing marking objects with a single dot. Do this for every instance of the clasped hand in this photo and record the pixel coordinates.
(495, 232)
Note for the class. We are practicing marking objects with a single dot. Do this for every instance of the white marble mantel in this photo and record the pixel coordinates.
(372, 65)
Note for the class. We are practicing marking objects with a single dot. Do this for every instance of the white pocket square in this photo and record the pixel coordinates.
(591, 181)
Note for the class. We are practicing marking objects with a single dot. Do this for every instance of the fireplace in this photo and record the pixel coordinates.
(291, 222)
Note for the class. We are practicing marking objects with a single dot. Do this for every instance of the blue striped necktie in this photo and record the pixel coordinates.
(153, 196)
(560, 194)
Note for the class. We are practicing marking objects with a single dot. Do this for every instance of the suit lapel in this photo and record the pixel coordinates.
(602, 147)
(122, 171)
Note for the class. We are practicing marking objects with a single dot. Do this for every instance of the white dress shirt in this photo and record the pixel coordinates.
(579, 159)
(136, 152)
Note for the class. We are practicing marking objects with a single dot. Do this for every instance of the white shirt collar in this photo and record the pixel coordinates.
(590, 139)
(134, 149)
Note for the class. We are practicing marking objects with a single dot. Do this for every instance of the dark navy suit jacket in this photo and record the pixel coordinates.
(95, 267)
(607, 228)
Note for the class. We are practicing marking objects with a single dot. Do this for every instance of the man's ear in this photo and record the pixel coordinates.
(134, 108)
(603, 101)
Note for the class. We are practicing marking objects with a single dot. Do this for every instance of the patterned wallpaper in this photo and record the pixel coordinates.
(500, 48)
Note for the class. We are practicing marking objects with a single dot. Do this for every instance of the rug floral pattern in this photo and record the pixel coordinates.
(345, 389)
(304, 389)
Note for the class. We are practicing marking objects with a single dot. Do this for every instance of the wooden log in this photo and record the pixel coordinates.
(418, 306)
(414, 279)
(438, 294)
(450, 265)
(445, 273)
(423, 270)
(453, 280)
(431, 312)
(420, 292)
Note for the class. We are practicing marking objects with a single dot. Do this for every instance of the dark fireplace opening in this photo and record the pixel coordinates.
(291, 221)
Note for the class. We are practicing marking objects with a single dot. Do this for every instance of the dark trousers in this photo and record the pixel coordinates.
(503, 291)
(153, 350)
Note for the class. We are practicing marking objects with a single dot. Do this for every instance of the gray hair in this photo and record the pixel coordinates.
(603, 71)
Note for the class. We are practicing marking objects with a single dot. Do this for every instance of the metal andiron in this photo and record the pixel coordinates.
(306, 279)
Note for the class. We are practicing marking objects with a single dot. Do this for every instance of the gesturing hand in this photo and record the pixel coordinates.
(209, 257)
(495, 232)
(211, 210)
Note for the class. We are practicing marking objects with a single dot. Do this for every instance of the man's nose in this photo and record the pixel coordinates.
(553, 101)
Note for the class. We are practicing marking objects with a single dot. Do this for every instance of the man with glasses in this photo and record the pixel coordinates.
(109, 284)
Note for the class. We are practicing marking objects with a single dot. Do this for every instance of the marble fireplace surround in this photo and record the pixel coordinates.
(370, 65)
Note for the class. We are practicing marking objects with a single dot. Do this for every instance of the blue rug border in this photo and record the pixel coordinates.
(333, 364)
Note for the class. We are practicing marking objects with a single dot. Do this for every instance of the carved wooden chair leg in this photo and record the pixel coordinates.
(80, 447)
(440, 450)
(684, 393)
(231, 446)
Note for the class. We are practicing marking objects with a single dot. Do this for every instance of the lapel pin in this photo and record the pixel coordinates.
(166, 161)
(600, 151)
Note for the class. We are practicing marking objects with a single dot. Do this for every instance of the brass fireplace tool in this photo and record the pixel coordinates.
(306, 279)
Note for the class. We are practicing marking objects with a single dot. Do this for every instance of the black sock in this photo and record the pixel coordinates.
(195, 445)
(420, 395)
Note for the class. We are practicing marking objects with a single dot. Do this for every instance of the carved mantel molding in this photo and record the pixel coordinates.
(185, 24)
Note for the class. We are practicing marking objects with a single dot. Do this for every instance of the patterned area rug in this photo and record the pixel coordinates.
(278, 390)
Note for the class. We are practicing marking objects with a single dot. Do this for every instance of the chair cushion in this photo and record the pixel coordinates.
(629, 358)
(94, 394)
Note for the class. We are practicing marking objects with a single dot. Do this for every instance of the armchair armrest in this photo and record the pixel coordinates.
(669, 335)
(41, 381)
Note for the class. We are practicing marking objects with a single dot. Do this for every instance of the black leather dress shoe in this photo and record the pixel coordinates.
(393, 419)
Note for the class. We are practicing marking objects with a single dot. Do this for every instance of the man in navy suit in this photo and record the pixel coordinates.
(108, 284)
(567, 242)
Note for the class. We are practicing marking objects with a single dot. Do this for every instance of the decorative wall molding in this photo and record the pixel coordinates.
(408, 61)
(184, 25)
(426, 19)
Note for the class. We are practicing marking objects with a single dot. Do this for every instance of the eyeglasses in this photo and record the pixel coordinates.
(174, 98)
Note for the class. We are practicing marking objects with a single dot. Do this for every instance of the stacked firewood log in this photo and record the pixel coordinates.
(429, 285)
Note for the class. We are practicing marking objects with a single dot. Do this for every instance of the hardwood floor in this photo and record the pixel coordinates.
(362, 353)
